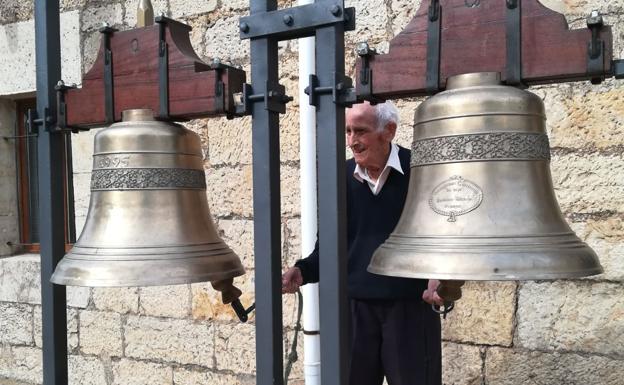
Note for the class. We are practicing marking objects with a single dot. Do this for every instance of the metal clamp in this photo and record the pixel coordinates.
(595, 48)
(109, 100)
(434, 17)
(163, 68)
(514, 43)
(342, 90)
(274, 98)
(365, 80)
(61, 109)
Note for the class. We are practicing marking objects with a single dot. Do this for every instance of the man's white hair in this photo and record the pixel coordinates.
(386, 112)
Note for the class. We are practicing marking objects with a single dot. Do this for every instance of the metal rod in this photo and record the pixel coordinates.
(332, 208)
(267, 222)
(50, 171)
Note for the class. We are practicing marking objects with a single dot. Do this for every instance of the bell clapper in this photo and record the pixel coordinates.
(230, 295)
(451, 292)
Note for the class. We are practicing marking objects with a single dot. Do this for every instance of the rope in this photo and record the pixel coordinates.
(292, 356)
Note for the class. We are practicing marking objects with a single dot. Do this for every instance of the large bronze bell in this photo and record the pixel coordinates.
(481, 204)
(148, 221)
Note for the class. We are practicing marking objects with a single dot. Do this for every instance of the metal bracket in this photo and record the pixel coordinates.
(514, 43)
(241, 312)
(109, 100)
(342, 90)
(297, 22)
(163, 68)
(274, 98)
(61, 109)
(595, 48)
(618, 68)
(365, 79)
(434, 17)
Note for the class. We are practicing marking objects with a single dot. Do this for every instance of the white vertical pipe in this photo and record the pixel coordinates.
(307, 151)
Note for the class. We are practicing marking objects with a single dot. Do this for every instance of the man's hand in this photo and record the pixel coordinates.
(291, 280)
(431, 295)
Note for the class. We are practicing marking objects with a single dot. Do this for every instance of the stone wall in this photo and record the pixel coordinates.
(502, 333)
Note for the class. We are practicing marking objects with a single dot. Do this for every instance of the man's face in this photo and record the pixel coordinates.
(369, 145)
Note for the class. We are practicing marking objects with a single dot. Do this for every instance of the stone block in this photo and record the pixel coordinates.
(116, 299)
(72, 328)
(588, 183)
(165, 301)
(583, 116)
(207, 303)
(95, 16)
(401, 13)
(235, 348)
(21, 363)
(130, 372)
(291, 242)
(78, 296)
(229, 191)
(518, 367)
(169, 340)
(182, 376)
(17, 43)
(605, 238)
(571, 316)
(16, 324)
(182, 8)
(222, 40)
(20, 280)
(12, 11)
(86, 371)
(372, 22)
(82, 193)
(238, 235)
(290, 196)
(484, 314)
(100, 333)
(461, 364)
(82, 151)
(229, 141)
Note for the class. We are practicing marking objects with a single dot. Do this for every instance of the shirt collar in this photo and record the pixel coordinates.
(393, 162)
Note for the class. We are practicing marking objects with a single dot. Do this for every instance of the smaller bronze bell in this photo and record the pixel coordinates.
(148, 221)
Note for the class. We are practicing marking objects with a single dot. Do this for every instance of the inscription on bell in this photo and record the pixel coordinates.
(455, 196)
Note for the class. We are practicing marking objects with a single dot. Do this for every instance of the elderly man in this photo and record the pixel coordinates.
(394, 331)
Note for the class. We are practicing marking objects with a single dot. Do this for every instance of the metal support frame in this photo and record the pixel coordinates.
(330, 91)
(50, 171)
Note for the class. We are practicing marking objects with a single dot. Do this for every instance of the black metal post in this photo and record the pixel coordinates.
(51, 207)
(330, 118)
(266, 196)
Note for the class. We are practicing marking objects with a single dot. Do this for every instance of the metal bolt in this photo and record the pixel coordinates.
(511, 4)
(288, 19)
(105, 25)
(594, 19)
(363, 48)
(339, 86)
(216, 62)
(60, 83)
(336, 10)
(244, 27)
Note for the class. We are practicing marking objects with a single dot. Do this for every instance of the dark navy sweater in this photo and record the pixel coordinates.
(370, 220)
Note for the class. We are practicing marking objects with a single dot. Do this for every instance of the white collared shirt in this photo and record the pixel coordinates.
(393, 162)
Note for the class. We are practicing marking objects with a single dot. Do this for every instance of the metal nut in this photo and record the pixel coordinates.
(363, 49)
(244, 27)
(336, 10)
(594, 19)
(288, 19)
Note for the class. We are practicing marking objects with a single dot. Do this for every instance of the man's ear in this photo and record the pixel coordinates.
(389, 131)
